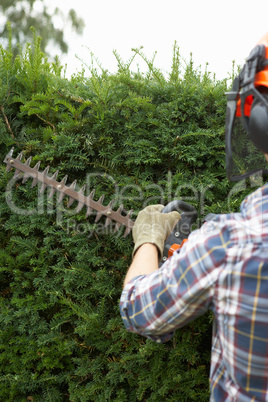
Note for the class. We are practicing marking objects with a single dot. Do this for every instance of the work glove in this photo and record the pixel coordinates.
(152, 226)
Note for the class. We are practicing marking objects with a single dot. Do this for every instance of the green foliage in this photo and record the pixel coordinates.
(138, 139)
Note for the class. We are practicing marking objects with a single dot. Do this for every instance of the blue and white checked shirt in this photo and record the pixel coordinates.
(223, 267)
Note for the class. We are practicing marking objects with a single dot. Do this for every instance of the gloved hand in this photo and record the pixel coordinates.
(151, 226)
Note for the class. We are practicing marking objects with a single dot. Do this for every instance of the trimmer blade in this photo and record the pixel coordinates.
(26, 172)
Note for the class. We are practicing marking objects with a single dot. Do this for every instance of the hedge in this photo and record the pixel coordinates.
(138, 138)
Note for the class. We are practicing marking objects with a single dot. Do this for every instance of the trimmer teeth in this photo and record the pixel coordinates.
(50, 182)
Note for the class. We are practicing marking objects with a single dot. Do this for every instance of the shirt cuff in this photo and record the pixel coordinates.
(126, 304)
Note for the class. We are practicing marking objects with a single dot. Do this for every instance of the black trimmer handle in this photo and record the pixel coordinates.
(181, 230)
(180, 206)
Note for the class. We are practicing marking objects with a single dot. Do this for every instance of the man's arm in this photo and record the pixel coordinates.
(144, 262)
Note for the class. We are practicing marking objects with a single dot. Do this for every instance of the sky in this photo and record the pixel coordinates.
(215, 32)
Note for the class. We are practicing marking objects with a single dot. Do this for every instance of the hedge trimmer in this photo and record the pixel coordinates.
(173, 243)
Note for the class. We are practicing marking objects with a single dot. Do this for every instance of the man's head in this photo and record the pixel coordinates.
(248, 100)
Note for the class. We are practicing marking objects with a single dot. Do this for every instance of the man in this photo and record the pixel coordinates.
(222, 267)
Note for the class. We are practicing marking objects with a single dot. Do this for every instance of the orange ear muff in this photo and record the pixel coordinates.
(247, 106)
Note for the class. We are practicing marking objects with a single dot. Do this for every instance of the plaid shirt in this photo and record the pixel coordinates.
(222, 267)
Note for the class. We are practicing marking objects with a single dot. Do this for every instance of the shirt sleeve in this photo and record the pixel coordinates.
(182, 289)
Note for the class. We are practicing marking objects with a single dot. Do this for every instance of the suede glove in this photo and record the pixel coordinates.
(152, 226)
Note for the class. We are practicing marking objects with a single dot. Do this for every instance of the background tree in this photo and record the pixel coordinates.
(23, 14)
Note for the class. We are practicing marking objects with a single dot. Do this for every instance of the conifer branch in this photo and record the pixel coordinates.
(47, 122)
(7, 122)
